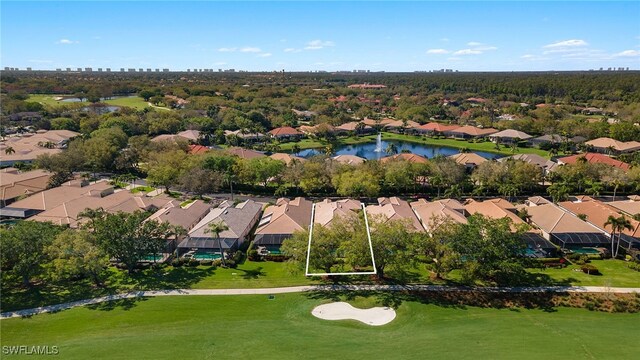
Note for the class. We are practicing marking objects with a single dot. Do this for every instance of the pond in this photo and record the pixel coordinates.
(75, 99)
(368, 152)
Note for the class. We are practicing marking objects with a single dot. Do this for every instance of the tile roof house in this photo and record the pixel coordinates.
(15, 184)
(281, 220)
(185, 217)
(51, 198)
(240, 219)
(469, 160)
(405, 157)
(607, 145)
(285, 132)
(509, 136)
(191, 136)
(381, 122)
(597, 214)
(349, 159)
(27, 147)
(244, 153)
(197, 149)
(252, 136)
(366, 86)
(319, 128)
(392, 209)
(326, 211)
(352, 126)
(286, 158)
(594, 158)
(564, 228)
(427, 212)
(494, 209)
(437, 128)
(545, 165)
(630, 206)
(399, 124)
(68, 213)
(471, 132)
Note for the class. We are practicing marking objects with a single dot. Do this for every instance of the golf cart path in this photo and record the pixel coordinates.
(299, 289)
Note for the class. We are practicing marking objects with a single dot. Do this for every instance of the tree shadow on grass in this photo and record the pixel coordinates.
(252, 273)
(122, 304)
(167, 278)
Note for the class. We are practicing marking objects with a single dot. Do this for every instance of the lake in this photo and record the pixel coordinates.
(368, 152)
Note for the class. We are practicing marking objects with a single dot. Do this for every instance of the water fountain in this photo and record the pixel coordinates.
(379, 143)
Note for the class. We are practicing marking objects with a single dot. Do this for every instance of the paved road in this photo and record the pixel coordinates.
(298, 289)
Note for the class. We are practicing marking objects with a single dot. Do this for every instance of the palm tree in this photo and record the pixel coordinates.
(216, 229)
(9, 150)
(618, 225)
(359, 128)
(295, 148)
(391, 149)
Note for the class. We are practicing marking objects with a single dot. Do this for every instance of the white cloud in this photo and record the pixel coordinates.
(249, 49)
(318, 44)
(445, 39)
(485, 48)
(437, 51)
(474, 43)
(528, 56)
(566, 44)
(467, 52)
(66, 42)
(264, 55)
(224, 49)
(292, 50)
(627, 53)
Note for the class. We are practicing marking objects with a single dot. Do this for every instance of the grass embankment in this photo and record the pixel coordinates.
(253, 326)
(486, 146)
(615, 273)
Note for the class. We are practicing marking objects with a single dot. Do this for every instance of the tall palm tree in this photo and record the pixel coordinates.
(618, 225)
(9, 150)
(391, 149)
(216, 229)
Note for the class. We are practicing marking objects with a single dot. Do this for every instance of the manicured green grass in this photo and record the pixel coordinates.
(252, 326)
(458, 144)
(615, 273)
(45, 99)
(135, 102)
(144, 189)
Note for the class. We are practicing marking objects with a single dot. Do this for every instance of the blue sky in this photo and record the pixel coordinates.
(390, 36)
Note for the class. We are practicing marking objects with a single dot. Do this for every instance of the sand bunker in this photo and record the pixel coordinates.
(344, 311)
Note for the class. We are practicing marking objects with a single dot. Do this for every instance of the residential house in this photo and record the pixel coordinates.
(323, 128)
(545, 165)
(435, 128)
(352, 127)
(286, 158)
(597, 213)
(349, 159)
(394, 209)
(281, 220)
(399, 125)
(239, 219)
(471, 132)
(244, 153)
(15, 184)
(631, 206)
(185, 217)
(366, 86)
(405, 157)
(509, 136)
(432, 213)
(564, 228)
(468, 160)
(379, 122)
(611, 146)
(327, 211)
(494, 209)
(304, 114)
(594, 158)
(285, 132)
(25, 148)
(244, 135)
(190, 136)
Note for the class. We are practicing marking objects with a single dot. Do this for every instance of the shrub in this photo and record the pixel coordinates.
(238, 256)
(253, 255)
(217, 263)
(590, 269)
(193, 262)
(178, 262)
(634, 266)
(206, 262)
(230, 263)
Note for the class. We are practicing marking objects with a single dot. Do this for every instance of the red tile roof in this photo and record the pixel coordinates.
(434, 126)
(197, 149)
(595, 158)
(406, 157)
(285, 130)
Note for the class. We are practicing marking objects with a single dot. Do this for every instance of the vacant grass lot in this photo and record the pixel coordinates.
(130, 101)
(458, 144)
(252, 326)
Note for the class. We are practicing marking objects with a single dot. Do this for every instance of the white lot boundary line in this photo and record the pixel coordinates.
(373, 260)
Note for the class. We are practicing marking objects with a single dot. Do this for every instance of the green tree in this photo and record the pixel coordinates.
(128, 237)
(391, 149)
(436, 245)
(22, 248)
(356, 183)
(618, 225)
(164, 169)
(75, 254)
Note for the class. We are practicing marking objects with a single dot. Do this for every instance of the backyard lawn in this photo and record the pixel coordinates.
(254, 326)
(614, 273)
